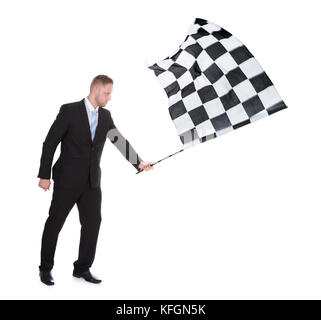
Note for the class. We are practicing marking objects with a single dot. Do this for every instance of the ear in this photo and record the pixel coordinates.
(94, 89)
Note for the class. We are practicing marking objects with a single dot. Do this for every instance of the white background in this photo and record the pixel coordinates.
(235, 218)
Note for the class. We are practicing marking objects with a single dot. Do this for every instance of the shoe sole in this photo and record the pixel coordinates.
(48, 283)
(80, 277)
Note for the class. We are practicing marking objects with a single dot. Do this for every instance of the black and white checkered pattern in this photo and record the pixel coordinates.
(214, 84)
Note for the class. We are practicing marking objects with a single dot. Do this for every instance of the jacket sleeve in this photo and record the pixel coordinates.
(54, 136)
(122, 144)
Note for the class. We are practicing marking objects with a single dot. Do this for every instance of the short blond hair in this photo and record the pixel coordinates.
(101, 79)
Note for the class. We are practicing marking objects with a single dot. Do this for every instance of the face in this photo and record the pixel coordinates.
(103, 94)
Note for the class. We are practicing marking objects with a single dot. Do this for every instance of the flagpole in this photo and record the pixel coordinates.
(162, 159)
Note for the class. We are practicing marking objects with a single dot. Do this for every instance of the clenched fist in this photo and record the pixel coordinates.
(44, 184)
(145, 166)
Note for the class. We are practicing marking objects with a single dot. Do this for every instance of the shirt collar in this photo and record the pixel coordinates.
(90, 106)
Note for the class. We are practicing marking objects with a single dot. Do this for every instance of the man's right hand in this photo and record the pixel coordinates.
(44, 184)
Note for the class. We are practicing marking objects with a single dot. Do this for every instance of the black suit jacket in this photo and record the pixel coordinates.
(80, 156)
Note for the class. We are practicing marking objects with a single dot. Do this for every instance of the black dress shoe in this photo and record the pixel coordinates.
(46, 278)
(87, 276)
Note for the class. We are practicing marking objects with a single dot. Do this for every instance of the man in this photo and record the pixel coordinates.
(82, 128)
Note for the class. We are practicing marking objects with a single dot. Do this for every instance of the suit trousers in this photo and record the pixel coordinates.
(88, 201)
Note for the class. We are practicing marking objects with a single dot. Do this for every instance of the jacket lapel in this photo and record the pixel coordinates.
(84, 118)
(99, 125)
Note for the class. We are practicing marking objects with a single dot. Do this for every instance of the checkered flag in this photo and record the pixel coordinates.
(214, 85)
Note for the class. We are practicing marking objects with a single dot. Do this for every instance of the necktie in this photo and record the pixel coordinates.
(93, 123)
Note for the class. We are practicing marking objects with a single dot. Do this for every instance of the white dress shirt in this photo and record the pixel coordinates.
(89, 108)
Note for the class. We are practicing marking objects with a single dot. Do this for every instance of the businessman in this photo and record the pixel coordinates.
(82, 128)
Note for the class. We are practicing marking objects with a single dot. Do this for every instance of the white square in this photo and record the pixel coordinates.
(222, 86)
(206, 41)
(165, 64)
(183, 123)
(237, 114)
(204, 60)
(184, 80)
(192, 101)
(269, 97)
(205, 128)
(166, 78)
(185, 59)
(175, 98)
(244, 90)
(190, 40)
(231, 43)
(226, 63)
(193, 29)
(211, 27)
(214, 108)
(201, 82)
(251, 68)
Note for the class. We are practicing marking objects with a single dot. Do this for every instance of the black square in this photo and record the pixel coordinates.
(253, 106)
(221, 122)
(197, 35)
(261, 82)
(194, 49)
(190, 88)
(241, 54)
(177, 70)
(213, 73)
(157, 69)
(200, 21)
(230, 100)
(172, 89)
(198, 115)
(277, 107)
(195, 70)
(241, 124)
(202, 32)
(221, 34)
(215, 50)
(207, 93)
(235, 76)
(177, 109)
